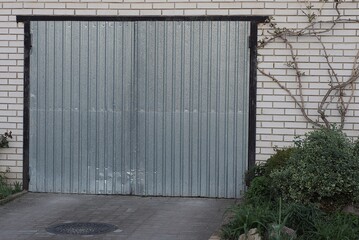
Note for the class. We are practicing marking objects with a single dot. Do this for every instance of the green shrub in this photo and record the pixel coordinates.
(308, 221)
(323, 168)
(269, 218)
(252, 173)
(260, 191)
(276, 161)
(356, 148)
(336, 226)
(244, 217)
(320, 173)
(302, 217)
(260, 187)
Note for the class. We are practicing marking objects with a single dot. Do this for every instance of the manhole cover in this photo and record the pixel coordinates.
(81, 228)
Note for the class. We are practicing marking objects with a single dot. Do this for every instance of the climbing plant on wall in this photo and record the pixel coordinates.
(337, 98)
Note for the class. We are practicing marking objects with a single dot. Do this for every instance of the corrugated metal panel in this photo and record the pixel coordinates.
(144, 108)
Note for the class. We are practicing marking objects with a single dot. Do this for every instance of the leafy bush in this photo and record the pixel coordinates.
(252, 173)
(269, 218)
(336, 226)
(261, 188)
(308, 221)
(244, 217)
(276, 161)
(356, 148)
(323, 168)
(259, 191)
(318, 174)
(302, 218)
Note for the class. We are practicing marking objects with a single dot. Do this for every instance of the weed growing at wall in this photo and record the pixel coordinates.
(4, 139)
(6, 189)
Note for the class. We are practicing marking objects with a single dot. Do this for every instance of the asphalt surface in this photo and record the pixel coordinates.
(140, 218)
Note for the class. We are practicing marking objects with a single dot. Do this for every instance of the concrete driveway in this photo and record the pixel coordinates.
(140, 218)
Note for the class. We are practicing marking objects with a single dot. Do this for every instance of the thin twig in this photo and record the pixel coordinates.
(298, 103)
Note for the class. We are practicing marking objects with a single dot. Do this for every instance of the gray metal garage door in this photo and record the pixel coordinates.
(139, 107)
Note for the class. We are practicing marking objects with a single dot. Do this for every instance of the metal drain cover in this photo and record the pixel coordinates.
(81, 228)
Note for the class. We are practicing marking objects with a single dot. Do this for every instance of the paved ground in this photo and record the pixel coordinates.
(140, 218)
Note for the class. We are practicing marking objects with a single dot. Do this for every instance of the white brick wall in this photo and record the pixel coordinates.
(278, 118)
(278, 129)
